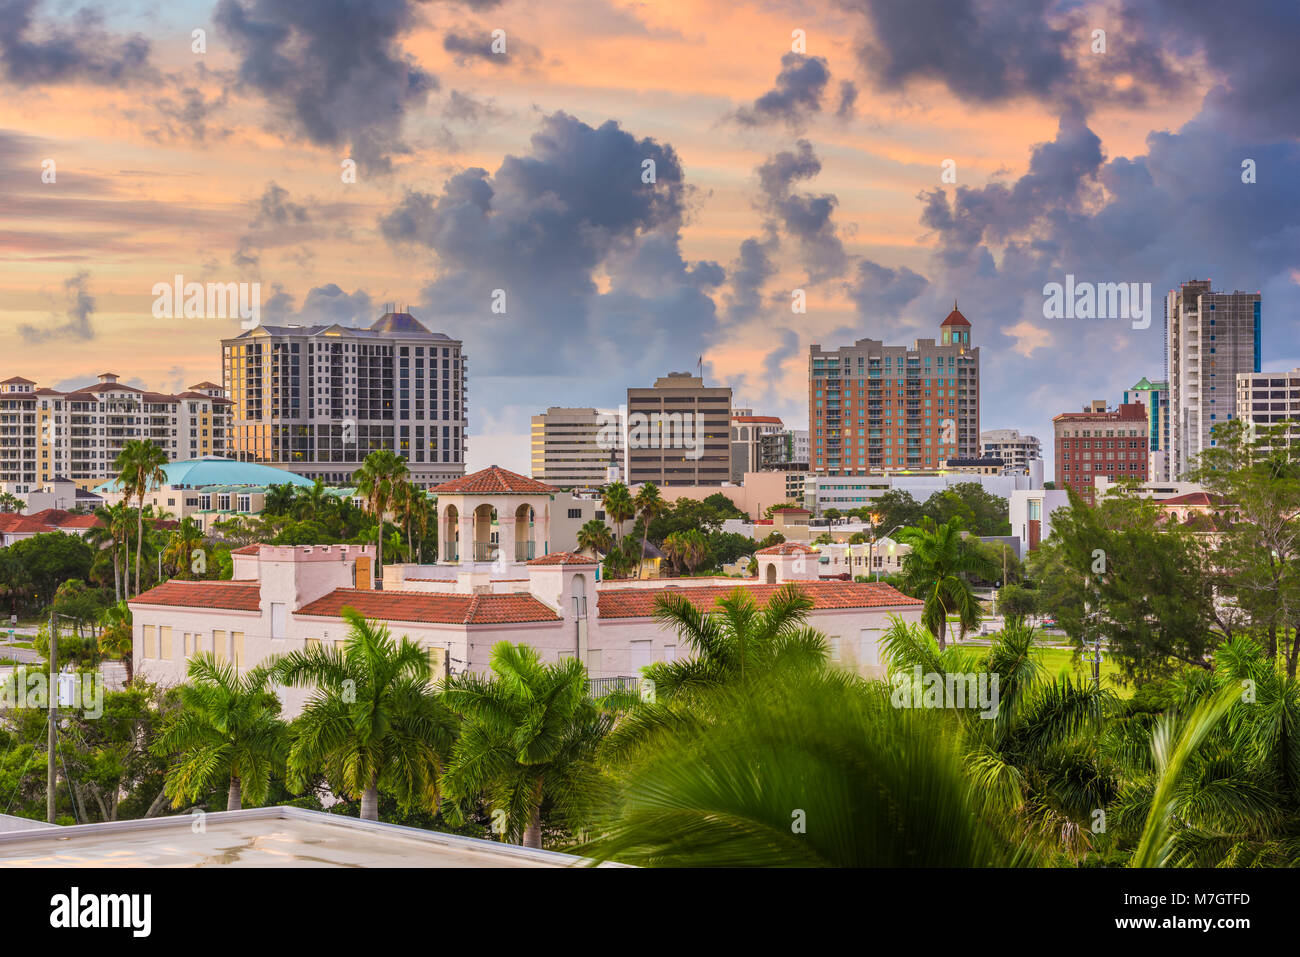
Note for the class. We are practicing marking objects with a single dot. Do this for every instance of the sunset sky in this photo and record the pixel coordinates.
(775, 170)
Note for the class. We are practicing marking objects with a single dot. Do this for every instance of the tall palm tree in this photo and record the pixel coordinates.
(529, 735)
(619, 507)
(228, 726)
(140, 468)
(736, 640)
(934, 569)
(181, 545)
(595, 537)
(115, 636)
(373, 720)
(378, 482)
(649, 506)
(104, 535)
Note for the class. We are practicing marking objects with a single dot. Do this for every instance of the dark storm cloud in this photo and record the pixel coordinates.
(34, 53)
(277, 221)
(336, 70)
(586, 254)
(752, 269)
(74, 322)
(805, 217)
(883, 293)
(797, 93)
(987, 51)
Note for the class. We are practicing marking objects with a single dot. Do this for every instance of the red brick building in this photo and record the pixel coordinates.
(1100, 441)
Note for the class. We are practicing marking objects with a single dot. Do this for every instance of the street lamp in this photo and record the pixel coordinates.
(871, 553)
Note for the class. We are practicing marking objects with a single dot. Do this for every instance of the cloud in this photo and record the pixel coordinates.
(753, 267)
(882, 293)
(327, 304)
(798, 91)
(35, 54)
(848, 97)
(277, 221)
(992, 51)
(587, 256)
(74, 321)
(803, 216)
(336, 71)
(1029, 337)
(467, 45)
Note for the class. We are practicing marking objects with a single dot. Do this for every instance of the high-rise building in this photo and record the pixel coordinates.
(574, 448)
(76, 434)
(753, 438)
(1210, 338)
(1100, 441)
(1265, 399)
(678, 432)
(873, 407)
(318, 399)
(786, 449)
(1155, 397)
(1015, 450)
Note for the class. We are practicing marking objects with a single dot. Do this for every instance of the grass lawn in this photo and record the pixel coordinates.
(1056, 660)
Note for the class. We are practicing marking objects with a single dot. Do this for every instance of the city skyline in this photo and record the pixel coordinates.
(867, 171)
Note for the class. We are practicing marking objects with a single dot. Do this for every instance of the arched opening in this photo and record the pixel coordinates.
(449, 536)
(525, 544)
(484, 515)
(771, 573)
(579, 596)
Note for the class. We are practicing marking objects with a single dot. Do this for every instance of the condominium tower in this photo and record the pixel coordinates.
(1211, 337)
(873, 407)
(76, 434)
(318, 399)
(1155, 397)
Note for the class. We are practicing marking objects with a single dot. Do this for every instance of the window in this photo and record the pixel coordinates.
(575, 513)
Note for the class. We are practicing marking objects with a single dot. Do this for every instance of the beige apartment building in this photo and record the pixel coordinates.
(77, 434)
(1268, 398)
(874, 408)
(678, 432)
(318, 399)
(1015, 450)
(575, 448)
(1211, 338)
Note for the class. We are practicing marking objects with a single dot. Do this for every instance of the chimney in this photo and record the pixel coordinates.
(364, 581)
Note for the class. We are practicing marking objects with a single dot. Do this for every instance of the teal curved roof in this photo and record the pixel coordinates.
(196, 473)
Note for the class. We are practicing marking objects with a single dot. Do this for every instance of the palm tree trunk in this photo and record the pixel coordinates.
(533, 832)
(127, 659)
(370, 803)
(139, 540)
(232, 798)
(645, 537)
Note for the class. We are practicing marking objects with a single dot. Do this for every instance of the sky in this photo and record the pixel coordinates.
(648, 183)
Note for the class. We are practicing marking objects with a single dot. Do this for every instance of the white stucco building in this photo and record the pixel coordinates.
(283, 598)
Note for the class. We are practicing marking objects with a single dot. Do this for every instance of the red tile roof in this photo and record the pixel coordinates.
(233, 595)
(1192, 498)
(247, 549)
(434, 607)
(955, 318)
(46, 520)
(563, 558)
(786, 548)
(640, 602)
(495, 480)
(764, 419)
(17, 378)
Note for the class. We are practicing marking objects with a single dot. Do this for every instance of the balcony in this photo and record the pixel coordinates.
(525, 551)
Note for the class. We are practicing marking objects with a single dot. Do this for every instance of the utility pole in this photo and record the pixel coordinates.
(53, 691)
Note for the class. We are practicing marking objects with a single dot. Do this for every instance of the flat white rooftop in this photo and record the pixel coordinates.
(261, 837)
